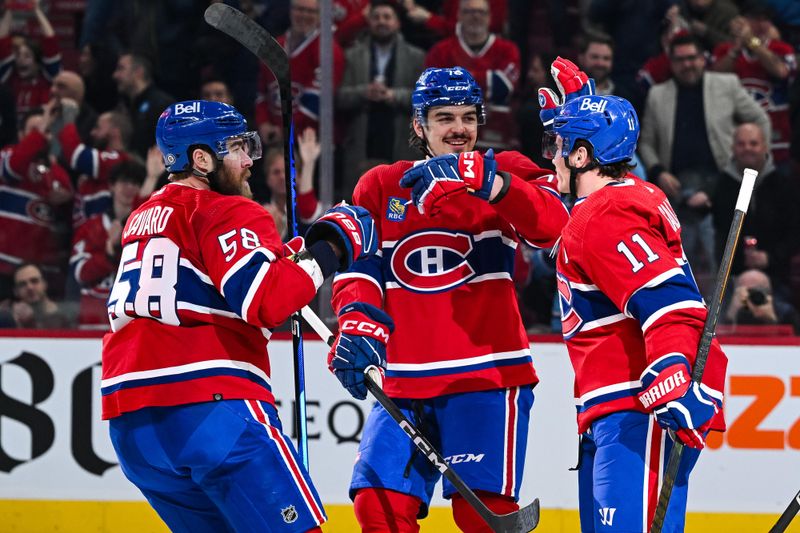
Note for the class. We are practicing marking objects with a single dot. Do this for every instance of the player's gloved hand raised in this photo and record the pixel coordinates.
(571, 81)
(363, 333)
(434, 180)
(351, 228)
(677, 402)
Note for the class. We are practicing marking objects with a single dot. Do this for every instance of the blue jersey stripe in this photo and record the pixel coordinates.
(648, 301)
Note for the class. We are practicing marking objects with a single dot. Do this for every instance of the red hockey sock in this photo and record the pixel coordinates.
(386, 511)
(470, 521)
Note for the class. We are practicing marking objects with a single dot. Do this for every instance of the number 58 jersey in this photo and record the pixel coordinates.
(628, 297)
(201, 281)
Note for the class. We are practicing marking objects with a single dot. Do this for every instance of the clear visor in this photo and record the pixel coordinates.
(549, 144)
(249, 143)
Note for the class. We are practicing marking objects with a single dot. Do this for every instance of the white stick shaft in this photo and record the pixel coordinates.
(316, 323)
(746, 190)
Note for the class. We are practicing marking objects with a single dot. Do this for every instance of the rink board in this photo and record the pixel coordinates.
(58, 470)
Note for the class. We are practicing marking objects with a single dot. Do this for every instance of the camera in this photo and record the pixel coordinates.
(757, 296)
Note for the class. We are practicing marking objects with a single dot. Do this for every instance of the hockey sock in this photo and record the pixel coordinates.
(383, 510)
(469, 521)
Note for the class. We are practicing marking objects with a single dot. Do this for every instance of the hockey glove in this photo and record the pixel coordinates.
(438, 178)
(351, 228)
(363, 333)
(677, 402)
(571, 81)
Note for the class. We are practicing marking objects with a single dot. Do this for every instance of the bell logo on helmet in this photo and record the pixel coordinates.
(181, 108)
(587, 104)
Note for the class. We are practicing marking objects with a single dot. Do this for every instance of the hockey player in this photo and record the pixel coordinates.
(458, 362)
(203, 278)
(631, 317)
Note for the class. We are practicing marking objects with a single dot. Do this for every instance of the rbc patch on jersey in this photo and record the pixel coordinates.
(396, 209)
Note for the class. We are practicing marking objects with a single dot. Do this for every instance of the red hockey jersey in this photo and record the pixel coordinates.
(32, 226)
(93, 196)
(447, 281)
(93, 270)
(772, 93)
(304, 65)
(201, 282)
(496, 68)
(628, 297)
(32, 92)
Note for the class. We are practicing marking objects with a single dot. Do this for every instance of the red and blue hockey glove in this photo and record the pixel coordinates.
(351, 228)
(677, 402)
(438, 178)
(571, 81)
(363, 334)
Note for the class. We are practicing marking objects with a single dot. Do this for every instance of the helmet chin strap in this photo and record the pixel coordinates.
(207, 177)
(573, 175)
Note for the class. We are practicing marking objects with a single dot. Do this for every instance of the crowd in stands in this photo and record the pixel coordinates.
(82, 84)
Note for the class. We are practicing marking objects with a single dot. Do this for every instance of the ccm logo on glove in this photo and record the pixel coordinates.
(467, 163)
(362, 327)
(662, 388)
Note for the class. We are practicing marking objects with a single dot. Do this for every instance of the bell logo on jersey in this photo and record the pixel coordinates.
(432, 261)
(181, 108)
(589, 104)
(571, 322)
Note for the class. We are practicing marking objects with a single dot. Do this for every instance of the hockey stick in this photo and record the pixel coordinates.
(520, 521)
(787, 516)
(742, 202)
(239, 26)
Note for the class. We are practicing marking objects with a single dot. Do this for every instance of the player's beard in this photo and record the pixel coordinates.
(225, 182)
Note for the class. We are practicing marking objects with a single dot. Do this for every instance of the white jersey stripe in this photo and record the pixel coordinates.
(455, 363)
(294, 468)
(183, 369)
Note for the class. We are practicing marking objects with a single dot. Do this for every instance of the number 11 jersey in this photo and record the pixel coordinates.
(628, 297)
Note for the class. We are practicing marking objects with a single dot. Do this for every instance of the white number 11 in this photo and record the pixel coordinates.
(635, 263)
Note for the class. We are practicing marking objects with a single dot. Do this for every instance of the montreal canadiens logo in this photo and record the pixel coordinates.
(432, 261)
(571, 322)
(40, 212)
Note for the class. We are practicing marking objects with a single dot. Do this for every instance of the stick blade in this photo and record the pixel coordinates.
(522, 521)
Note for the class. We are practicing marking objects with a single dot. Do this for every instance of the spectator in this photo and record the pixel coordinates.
(709, 20)
(657, 68)
(35, 196)
(427, 21)
(25, 68)
(32, 308)
(686, 139)
(376, 93)
(216, 90)
(596, 60)
(492, 61)
(96, 65)
(634, 27)
(96, 247)
(308, 208)
(772, 225)
(68, 84)
(142, 100)
(111, 136)
(301, 42)
(765, 66)
(753, 303)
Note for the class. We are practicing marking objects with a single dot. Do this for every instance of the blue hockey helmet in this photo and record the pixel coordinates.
(446, 86)
(608, 123)
(200, 122)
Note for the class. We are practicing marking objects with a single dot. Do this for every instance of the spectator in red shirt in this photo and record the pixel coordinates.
(765, 66)
(494, 63)
(25, 68)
